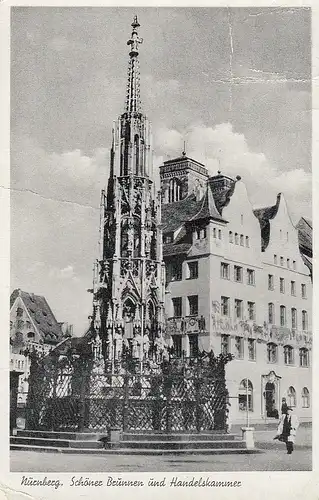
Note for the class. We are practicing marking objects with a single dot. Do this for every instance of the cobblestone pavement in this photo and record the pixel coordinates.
(272, 458)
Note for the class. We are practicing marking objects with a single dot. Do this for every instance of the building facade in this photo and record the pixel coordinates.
(197, 269)
(237, 281)
(32, 326)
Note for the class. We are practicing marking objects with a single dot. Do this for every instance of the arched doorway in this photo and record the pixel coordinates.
(270, 400)
(271, 395)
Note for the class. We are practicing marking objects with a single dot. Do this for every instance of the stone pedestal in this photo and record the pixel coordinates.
(248, 437)
(114, 435)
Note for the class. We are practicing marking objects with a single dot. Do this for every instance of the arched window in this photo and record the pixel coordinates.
(245, 395)
(304, 356)
(231, 240)
(30, 335)
(174, 190)
(304, 320)
(272, 352)
(305, 398)
(288, 355)
(291, 397)
(271, 313)
(236, 239)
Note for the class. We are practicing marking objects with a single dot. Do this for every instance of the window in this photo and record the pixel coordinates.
(193, 305)
(225, 344)
(294, 264)
(288, 355)
(282, 285)
(250, 277)
(275, 259)
(174, 271)
(272, 352)
(239, 347)
(291, 397)
(281, 261)
(242, 219)
(203, 233)
(219, 234)
(28, 324)
(192, 270)
(305, 398)
(236, 239)
(293, 288)
(251, 349)
(303, 357)
(214, 232)
(270, 282)
(251, 310)
(174, 191)
(193, 345)
(288, 263)
(224, 271)
(197, 234)
(304, 320)
(245, 395)
(271, 313)
(242, 240)
(238, 309)
(294, 318)
(225, 306)
(168, 238)
(30, 335)
(303, 291)
(282, 316)
(238, 274)
(19, 312)
(247, 241)
(177, 306)
(231, 238)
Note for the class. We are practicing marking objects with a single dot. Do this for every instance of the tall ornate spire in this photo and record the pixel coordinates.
(133, 100)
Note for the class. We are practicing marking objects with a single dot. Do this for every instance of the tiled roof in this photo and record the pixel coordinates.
(304, 227)
(208, 208)
(176, 249)
(264, 215)
(222, 198)
(308, 262)
(41, 314)
(174, 215)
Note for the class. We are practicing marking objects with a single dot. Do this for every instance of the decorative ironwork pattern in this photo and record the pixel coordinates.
(73, 393)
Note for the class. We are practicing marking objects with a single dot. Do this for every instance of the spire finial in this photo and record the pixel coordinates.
(184, 150)
(133, 85)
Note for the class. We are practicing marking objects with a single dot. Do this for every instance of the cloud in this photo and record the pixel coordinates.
(67, 273)
(69, 176)
(222, 148)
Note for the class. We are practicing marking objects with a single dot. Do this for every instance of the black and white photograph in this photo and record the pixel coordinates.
(161, 242)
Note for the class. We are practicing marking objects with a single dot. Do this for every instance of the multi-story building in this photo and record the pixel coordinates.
(238, 282)
(32, 326)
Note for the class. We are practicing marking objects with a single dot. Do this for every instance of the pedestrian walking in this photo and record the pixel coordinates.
(287, 428)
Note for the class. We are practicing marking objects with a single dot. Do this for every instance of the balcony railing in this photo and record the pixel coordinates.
(186, 325)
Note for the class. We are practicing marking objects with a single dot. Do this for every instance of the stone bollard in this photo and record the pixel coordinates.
(114, 435)
(248, 437)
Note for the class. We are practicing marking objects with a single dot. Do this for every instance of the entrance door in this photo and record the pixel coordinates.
(270, 400)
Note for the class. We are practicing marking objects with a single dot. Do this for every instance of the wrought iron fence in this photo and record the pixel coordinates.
(75, 394)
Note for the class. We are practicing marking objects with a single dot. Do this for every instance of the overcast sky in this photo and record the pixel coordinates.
(235, 84)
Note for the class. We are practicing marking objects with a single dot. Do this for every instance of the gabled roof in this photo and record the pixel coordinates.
(222, 198)
(41, 315)
(176, 249)
(264, 215)
(208, 208)
(174, 215)
(304, 227)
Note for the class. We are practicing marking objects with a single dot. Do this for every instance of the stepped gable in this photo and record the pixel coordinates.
(264, 215)
(208, 208)
(41, 315)
(175, 214)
